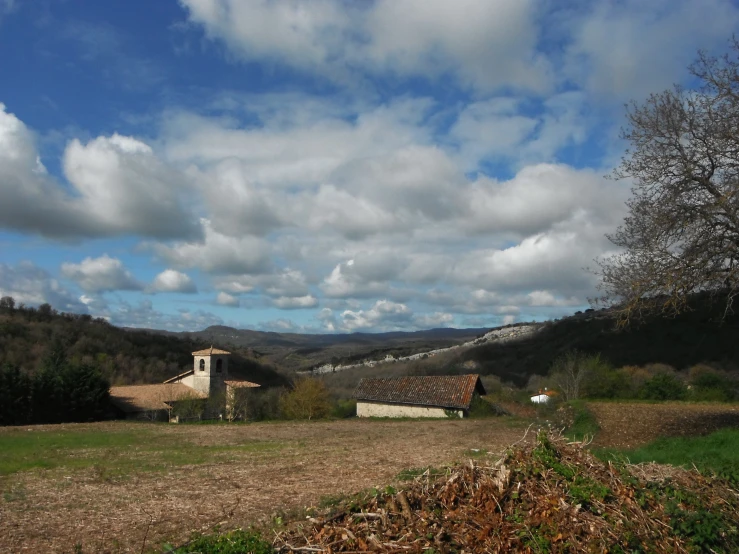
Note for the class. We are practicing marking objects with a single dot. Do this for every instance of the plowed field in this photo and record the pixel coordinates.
(143, 484)
(629, 425)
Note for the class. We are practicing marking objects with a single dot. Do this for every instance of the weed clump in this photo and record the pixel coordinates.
(545, 496)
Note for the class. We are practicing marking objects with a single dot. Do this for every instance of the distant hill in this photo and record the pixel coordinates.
(694, 337)
(130, 356)
(302, 351)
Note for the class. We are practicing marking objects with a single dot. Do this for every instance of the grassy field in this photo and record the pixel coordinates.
(116, 454)
(717, 453)
(119, 486)
(130, 487)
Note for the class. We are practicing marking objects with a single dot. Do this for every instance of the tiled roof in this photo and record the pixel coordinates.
(242, 384)
(180, 376)
(142, 398)
(209, 352)
(444, 391)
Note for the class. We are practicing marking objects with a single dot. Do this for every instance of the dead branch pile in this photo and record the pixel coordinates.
(551, 496)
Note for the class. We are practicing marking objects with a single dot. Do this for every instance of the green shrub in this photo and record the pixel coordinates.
(235, 542)
(481, 407)
(663, 386)
(344, 409)
(604, 381)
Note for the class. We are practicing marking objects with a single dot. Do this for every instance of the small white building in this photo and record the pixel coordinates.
(542, 397)
(429, 396)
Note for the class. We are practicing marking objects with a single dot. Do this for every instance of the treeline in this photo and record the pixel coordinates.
(124, 357)
(307, 398)
(578, 375)
(61, 391)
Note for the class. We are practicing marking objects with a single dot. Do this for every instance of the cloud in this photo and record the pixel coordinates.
(171, 280)
(225, 299)
(344, 282)
(630, 49)
(118, 187)
(384, 315)
(100, 275)
(217, 253)
(540, 196)
(295, 302)
(482, 44)
(144, 315)
(31, 285)
(281, 326)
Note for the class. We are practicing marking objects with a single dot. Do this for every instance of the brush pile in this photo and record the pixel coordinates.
(549, 496)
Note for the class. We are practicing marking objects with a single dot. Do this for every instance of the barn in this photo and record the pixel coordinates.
(428, 396)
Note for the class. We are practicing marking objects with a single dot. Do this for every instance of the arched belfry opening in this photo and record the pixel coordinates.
(210, 370)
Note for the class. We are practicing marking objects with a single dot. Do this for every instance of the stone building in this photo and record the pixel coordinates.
(430, 396)
(208, 380)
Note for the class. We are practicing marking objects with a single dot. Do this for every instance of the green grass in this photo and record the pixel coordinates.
(113, 453)
(235, 542)
(716, 454)
(411, 473)
(585, 424)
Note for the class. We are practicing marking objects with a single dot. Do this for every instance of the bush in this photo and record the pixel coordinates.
(663, 386)
(710, 384)
(309, 399)
(344, 409)
(480, 407)
(604, 381)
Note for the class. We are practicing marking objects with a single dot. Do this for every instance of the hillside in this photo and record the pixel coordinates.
(303, 351)
(27, 336)
(129, 356)
(694, 337)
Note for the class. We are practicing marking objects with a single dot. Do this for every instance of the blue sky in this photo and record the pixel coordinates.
(323, 166)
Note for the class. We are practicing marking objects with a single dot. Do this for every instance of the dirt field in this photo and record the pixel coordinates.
(250, 474)
(629, 425)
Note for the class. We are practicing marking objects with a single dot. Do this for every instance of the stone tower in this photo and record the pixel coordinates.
(210, 370)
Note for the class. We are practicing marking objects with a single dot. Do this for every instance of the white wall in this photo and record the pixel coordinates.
(374, 409)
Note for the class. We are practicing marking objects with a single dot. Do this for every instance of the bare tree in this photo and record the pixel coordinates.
(570, 370)
(681, 234)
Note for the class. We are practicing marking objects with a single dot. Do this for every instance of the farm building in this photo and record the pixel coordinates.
(430, 396)
(208, 379)
(542, 397)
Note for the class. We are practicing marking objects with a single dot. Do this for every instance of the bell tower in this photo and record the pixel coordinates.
(210, 370)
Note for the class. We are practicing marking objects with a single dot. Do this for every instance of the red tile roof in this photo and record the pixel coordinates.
(444, 391)
(209, 352)
(180, 376)
(242, 384)
(143, 398)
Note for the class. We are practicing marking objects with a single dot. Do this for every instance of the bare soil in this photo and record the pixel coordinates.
(633, 424)
(60, 508)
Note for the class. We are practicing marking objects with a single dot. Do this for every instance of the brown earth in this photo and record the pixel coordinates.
(62, 507)
(629, 425)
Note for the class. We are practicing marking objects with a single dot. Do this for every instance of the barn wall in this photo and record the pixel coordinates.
(375, 409)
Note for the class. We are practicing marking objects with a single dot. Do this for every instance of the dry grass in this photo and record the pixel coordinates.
(52, 510)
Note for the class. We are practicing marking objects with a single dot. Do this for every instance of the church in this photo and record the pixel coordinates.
(206, 386)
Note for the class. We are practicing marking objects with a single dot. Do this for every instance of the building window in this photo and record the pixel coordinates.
(202, 365)
(219, 365)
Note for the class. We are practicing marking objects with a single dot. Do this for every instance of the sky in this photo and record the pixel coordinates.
(324, 166)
